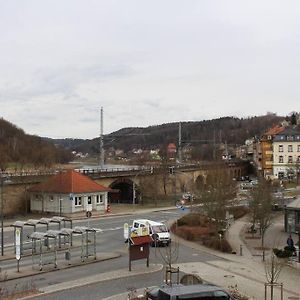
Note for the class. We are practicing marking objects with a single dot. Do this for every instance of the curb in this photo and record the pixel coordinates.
(35, 272)
(121, 273)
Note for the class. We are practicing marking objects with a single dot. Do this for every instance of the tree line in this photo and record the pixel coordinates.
(20, 150)
(202, 136)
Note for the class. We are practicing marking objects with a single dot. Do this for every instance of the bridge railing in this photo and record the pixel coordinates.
(120, 170)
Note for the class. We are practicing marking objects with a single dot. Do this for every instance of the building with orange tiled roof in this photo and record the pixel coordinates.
(68, 192)
(171, 151)
(266, 150)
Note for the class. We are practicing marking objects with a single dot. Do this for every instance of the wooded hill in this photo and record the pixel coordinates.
(20, 149)
(231, 130)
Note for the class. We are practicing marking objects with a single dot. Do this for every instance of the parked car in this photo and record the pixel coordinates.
(189, 292)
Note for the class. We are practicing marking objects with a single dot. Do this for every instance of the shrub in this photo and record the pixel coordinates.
(285, 253)
(194, 233)
(238, 211)
(217, 244)
(193, 219)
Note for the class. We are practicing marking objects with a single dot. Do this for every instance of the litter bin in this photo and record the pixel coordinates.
(68, 255)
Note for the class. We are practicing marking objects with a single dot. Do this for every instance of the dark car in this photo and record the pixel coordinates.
(189, 292)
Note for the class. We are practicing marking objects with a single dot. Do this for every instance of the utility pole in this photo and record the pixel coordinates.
(101, 148)
(179, 143)
(214, 146)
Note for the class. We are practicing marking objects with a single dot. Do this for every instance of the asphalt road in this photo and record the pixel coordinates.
(110, 240)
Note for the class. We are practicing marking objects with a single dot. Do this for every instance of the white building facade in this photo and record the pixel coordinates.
(286, 154)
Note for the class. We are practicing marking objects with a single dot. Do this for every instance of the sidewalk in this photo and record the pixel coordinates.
(251, 258)
(244, 269)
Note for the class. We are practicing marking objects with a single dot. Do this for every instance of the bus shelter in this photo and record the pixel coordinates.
(62, 222)
(86, 233)
(51, 257)
(31, 223)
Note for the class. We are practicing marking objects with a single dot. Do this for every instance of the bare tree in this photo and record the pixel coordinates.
(215, 193)
(169, 256)
(273, 267)
(261, 207)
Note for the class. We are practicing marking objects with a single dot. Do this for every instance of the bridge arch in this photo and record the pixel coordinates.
(124, 191)
(200, 181)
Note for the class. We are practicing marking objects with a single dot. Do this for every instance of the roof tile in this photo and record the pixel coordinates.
(68, 181)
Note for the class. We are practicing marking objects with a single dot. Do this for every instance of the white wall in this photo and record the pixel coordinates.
(43, 202)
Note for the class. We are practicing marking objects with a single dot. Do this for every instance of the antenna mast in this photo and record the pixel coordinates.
(179, 143)
(101, 158)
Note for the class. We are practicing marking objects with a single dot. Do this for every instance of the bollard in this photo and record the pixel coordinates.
(241, 250)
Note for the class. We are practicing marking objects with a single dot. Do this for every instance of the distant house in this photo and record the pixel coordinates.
(68, 192)
(171, 151)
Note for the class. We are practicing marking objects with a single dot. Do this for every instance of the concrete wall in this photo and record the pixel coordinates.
(15, 199)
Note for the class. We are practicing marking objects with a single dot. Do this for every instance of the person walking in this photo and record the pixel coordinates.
(290, 241)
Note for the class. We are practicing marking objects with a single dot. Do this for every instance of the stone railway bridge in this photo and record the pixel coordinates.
(130, 185)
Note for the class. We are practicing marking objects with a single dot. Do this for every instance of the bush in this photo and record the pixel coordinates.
(238, 211)
(193, 219)
(285, 253)
(194, 233)
(217, 244)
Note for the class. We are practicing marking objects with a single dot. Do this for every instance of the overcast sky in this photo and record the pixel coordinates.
(145, 62)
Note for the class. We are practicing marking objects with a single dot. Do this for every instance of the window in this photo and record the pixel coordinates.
(89, 199)
(298, 159)
(99, 199)
(290, 138)
(290, 159)
(280, 148)
(290, 148)
(280, 159)
(77, 201)
(136, 225)
(298, 148)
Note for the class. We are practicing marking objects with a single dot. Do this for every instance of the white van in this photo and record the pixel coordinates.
(158, 231)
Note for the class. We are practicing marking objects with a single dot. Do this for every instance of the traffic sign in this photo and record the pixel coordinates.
(18, 243)
(126, 231)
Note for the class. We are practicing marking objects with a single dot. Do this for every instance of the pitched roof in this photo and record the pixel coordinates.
(290, 131)
(140, 240)
(294, 204)
(68, 181)
(274, 130)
